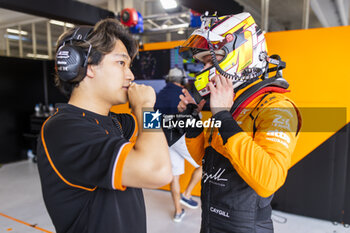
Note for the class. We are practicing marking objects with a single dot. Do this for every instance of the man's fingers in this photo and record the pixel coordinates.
(201, 104)
(224, 83)
(186, 93)
(223, 80)
(211, 87)
(181, 107)
(228, 82)
(218, 81)
(183, 98)
(187, 97)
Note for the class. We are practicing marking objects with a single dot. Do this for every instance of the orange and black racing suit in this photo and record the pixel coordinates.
(246, 160)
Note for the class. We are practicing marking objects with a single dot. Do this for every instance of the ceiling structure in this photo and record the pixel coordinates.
(162, 26)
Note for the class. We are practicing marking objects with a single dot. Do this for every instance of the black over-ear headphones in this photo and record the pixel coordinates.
(184, 80)
(72, 60)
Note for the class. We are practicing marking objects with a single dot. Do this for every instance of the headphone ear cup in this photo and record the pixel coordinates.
(70, 62)
(184, 81)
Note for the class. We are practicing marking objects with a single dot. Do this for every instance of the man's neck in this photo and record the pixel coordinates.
(89, 103)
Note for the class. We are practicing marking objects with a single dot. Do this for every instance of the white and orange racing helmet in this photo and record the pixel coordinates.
(238, 39)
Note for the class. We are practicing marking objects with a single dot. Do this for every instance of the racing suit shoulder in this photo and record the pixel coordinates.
(262, 158)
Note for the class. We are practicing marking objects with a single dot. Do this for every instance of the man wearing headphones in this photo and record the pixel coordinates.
(92, 163)
(167, 101)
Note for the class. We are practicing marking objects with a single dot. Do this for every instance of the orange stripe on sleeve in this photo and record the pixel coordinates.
(134, 135)
(52, 164)
(119, 164)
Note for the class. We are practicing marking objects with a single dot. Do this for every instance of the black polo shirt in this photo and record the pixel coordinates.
(80, 160)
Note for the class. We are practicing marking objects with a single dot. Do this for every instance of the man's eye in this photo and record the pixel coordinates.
(121, 63)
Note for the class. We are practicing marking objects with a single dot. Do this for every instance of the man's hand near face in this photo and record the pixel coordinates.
(221, 95)
(141, 96)
(185, 99)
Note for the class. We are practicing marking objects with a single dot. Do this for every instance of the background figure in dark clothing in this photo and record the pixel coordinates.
(167, 101)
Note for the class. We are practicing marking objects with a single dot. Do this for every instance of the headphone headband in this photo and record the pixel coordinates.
(82, 33)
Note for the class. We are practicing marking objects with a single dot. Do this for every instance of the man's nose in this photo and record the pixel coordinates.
(129, 75)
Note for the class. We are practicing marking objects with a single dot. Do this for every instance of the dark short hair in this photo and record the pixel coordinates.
(103, 38)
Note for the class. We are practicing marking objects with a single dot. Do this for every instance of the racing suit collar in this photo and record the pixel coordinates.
(242, 90)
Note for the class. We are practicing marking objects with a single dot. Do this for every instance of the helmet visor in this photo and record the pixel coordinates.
(198, 42)
(193, 45)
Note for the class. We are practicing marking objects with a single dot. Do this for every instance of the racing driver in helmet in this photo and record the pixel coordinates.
(245, 160)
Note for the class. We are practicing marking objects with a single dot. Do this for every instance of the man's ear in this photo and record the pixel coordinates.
(90, 71)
